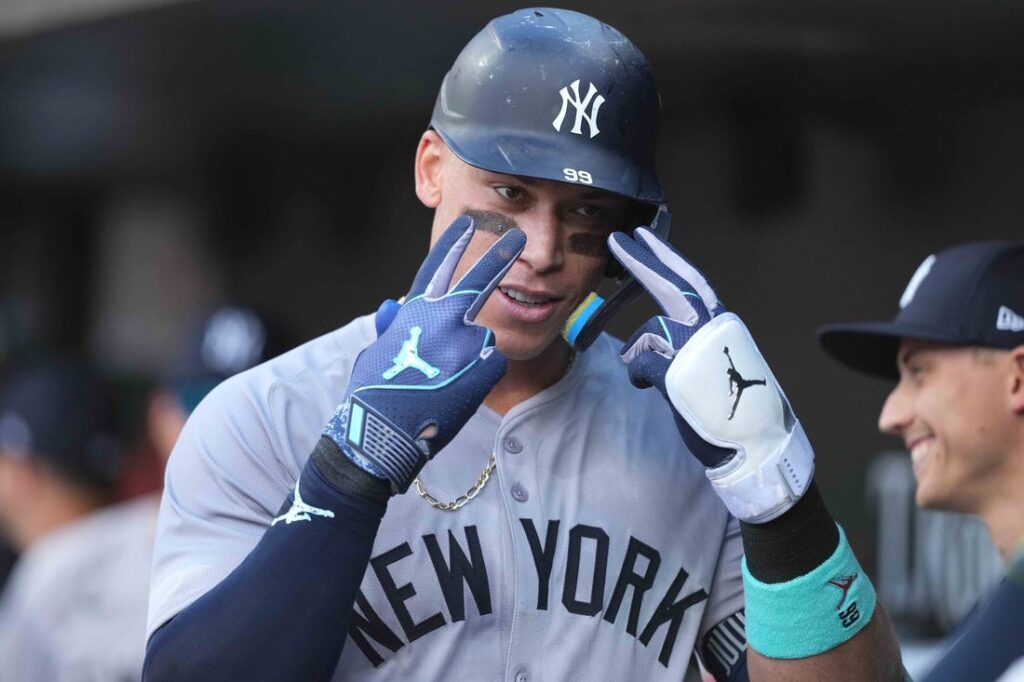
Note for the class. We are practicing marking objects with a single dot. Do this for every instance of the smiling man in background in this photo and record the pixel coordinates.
(956, 349)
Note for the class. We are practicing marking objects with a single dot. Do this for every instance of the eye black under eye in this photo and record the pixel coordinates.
(589, 244)
(490, 221)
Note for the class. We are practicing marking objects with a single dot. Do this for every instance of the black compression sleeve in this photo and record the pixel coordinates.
(283, 613)
(348, 478)
(793, 544)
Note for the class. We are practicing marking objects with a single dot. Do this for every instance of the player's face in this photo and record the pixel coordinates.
(18, 494)
(566, 252)
(950, 409)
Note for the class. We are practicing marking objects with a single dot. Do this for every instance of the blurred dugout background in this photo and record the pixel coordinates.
(158, 157)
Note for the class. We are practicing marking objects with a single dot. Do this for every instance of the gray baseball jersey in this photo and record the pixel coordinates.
(597, 550)
(75, 607)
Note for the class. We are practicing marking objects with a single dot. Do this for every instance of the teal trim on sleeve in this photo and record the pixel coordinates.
(811, 614)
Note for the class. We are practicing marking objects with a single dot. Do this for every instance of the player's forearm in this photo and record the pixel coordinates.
(873, 654)
(806, 597)
(796, 547)
(284, 612)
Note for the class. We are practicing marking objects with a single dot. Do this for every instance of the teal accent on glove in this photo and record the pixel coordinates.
(811, 614)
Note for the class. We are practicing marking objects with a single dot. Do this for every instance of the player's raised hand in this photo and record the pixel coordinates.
(431, 366)
(730, 410)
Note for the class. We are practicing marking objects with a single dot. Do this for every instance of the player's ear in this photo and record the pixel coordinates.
(430, 156)
(1016, 380)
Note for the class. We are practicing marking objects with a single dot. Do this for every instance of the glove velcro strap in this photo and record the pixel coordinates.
(811, 614)
(388, 448)
(757, 492)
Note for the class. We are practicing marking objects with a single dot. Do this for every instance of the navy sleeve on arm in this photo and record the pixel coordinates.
(284, 611)
(991, 640)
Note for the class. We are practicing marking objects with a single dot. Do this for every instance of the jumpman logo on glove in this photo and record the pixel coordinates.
(737, 384)
(409, 358)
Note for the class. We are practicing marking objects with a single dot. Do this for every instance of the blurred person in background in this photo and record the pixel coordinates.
(60, 454)
(229, 340)
(15, 333)
(956, 349)
(82, 610)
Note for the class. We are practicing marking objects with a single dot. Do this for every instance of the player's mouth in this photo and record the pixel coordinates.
(920, 449)
(527, 305)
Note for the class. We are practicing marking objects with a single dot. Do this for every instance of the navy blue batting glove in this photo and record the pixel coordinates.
(431, 367)
(730, 410)
(650, 350)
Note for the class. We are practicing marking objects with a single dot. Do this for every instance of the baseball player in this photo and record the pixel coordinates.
(60, 453)
(77, 605)
(449, 489)
(956, 348)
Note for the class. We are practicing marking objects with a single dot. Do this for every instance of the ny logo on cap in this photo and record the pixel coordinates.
(573, 98)
(922, 271)
(233, 340)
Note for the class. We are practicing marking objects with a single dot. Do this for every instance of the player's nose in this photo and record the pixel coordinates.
(544, 250)
(897, 411)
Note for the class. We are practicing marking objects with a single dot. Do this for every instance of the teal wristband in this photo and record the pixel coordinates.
(811, 614)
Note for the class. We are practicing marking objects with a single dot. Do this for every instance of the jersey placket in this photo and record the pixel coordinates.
(519, 473)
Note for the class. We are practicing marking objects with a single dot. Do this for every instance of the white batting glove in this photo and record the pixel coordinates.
(730, 410)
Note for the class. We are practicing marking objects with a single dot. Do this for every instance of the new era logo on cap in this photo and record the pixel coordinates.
(1009, 321)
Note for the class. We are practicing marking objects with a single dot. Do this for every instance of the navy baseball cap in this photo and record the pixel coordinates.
(967, 295)
(63, 413)
(230, 340)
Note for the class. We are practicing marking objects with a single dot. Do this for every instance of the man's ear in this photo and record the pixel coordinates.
(430, 157)
(1016, 380)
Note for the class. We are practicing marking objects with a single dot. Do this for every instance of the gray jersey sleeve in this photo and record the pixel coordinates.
(236, 461)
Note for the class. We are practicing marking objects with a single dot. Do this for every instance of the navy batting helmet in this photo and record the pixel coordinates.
(556, 95)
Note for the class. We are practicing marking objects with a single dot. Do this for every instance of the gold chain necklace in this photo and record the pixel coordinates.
(485, 476)
(461, 499)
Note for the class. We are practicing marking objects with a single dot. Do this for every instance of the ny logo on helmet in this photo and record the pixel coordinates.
(573, 98)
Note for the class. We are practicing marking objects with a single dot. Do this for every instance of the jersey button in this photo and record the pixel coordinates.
(519, 493)
(513, 445)
(522, 675)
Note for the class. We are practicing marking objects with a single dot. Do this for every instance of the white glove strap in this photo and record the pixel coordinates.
(722, 387)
